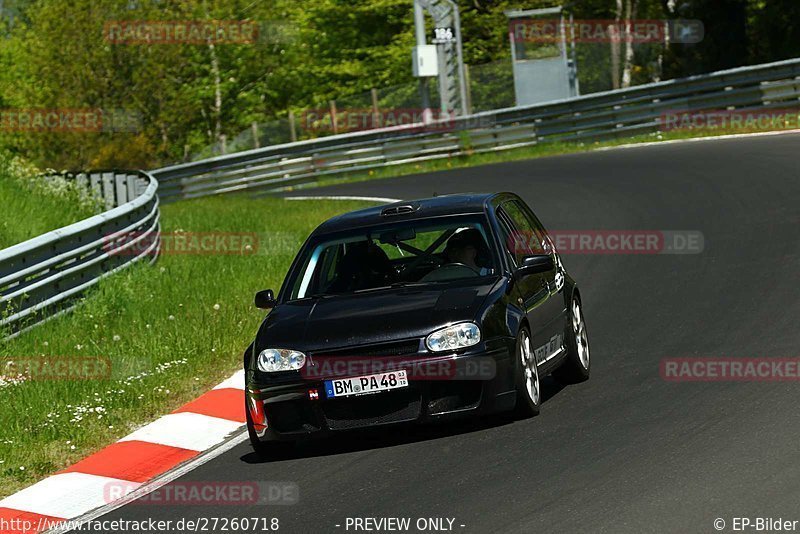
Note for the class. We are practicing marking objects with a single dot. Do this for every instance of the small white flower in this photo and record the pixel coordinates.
(45, 343)
(22, 468)
(147, 325)
(171, 317)
(216, 306)
(72, 447)
(116, 337)
(78, 347)
(163, 269)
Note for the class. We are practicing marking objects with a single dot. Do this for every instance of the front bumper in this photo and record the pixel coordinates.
(299, 408)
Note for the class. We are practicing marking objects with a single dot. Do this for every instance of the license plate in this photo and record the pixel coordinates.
(364, 385)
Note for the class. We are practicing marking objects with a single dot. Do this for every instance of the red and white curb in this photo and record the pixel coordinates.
(126, 465)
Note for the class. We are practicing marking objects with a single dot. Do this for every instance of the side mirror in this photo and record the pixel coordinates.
(265, 299)
(539, 263)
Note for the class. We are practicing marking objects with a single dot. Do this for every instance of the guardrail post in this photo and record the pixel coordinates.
(256, 143)
(292, 128)
(376, 118)
(333, 116)
(467, 91)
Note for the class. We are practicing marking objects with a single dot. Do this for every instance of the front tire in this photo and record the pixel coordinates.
(529, 390)
(265, 450)
(577, 365)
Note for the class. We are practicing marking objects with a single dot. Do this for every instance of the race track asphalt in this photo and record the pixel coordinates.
(626, 451)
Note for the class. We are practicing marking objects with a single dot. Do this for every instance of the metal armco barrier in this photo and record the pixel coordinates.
(599, 116)
(47, 275)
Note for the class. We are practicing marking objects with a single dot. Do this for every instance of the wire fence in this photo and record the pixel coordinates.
(490, 86)
(773, 87)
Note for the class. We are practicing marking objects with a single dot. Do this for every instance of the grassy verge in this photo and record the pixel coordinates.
(171, 331)
(32, 206)
(536, 151)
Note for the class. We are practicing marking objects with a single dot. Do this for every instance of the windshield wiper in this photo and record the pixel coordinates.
(317, 296)
(411, 284)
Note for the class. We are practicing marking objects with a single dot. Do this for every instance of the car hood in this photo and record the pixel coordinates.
(370, 317)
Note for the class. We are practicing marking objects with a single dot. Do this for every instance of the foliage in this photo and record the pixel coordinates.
(191, 99)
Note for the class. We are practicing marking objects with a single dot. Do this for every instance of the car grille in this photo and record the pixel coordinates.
(397, 348)
(367, 410)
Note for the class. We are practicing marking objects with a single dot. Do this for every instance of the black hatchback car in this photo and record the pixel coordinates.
(421, 311)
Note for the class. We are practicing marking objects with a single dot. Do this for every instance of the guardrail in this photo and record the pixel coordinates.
(45, 276)
(598, 116)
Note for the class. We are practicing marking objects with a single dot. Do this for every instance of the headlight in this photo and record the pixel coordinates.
(454, 337)
(274, 360)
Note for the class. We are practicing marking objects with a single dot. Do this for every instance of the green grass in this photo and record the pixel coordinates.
(554, 148)
(32, 206)
(161, 330)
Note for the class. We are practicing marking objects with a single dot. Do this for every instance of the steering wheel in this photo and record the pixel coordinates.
(450, 271)
(459, 264)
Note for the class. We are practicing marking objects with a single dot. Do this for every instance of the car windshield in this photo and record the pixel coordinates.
(417, 252)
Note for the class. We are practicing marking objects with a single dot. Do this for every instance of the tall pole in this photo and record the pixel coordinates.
(419, 30)
(461, 74)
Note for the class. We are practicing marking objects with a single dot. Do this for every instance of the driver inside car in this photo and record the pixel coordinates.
(465, 248)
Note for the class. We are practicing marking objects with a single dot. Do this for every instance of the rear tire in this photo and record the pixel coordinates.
(577, 365)
(529, 389)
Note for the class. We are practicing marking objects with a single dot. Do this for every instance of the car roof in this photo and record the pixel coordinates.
(409, 210)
